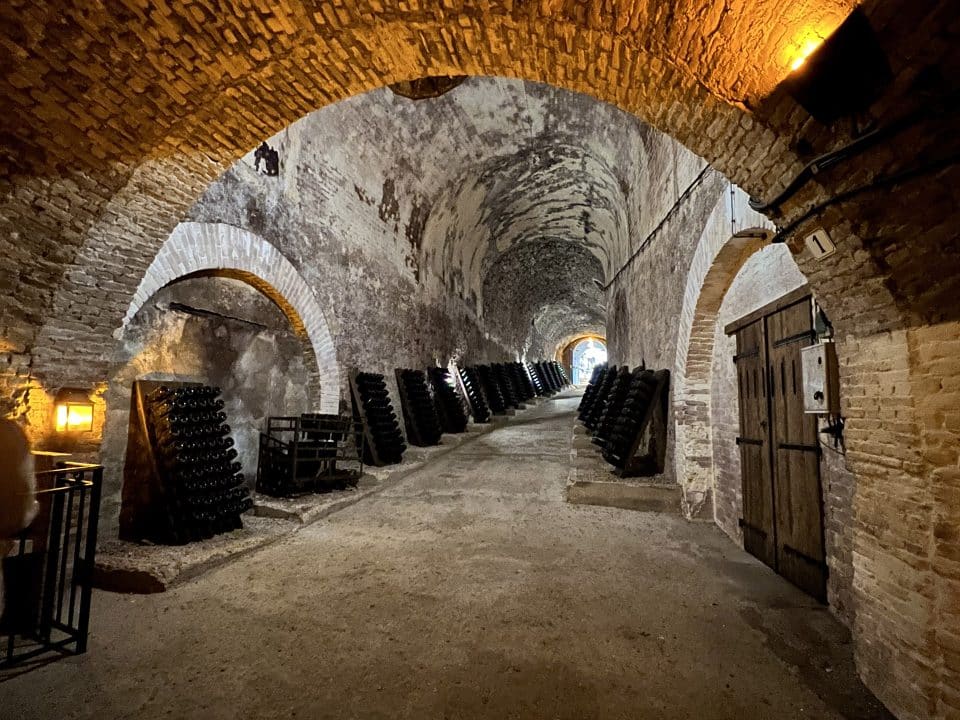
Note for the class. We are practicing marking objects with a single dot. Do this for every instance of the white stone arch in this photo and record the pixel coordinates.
(733, 233)
(196, 247)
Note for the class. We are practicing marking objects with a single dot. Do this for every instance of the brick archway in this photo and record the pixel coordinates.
(196, 247)
(281, 65)
(716, 263)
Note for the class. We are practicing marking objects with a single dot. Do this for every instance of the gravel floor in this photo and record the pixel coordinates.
(469, 589)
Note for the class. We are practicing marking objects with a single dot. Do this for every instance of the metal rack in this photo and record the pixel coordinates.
(309, 453)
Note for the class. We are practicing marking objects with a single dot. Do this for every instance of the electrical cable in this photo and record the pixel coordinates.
(857, 146)
(909, 174)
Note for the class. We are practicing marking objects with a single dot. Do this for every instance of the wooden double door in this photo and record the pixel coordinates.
(779, 446)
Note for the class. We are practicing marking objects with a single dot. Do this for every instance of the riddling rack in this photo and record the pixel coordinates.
(383, 442)
(628, 414)
(419, 411)
(612, 406)
(592, 416)
(590, 393)
(536, 381)
(309, 453)
(182, 482)
(501, 376)
(473, 390)
(492, 390)
(449, 404)
(521, 381)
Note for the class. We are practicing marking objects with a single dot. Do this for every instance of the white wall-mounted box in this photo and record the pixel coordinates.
(821, 379)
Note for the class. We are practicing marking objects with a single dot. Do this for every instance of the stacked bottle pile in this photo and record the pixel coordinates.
(419, 412)
(478, 403)
(628, 426)
(202, 489)
(613, 406)
(385, 444)
(491, 390)
(590, 393)
(447, 401)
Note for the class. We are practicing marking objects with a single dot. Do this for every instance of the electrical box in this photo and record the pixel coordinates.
(821, 379)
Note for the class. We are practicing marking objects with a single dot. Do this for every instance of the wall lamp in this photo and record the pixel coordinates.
(73, 411)
(844, 75)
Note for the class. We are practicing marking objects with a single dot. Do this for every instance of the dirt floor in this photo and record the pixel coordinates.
(469, 589)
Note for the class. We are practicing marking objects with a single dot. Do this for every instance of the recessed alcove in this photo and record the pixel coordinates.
(221, 332)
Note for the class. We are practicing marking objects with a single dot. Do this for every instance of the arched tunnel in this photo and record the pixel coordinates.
(543, 359)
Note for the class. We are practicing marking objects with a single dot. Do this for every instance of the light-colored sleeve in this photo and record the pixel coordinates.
(18, 505)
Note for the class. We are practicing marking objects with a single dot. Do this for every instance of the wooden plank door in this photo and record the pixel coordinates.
(797, 495)
(759, 536)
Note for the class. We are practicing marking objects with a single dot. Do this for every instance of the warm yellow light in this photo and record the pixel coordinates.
(74, 417)
(805, 51)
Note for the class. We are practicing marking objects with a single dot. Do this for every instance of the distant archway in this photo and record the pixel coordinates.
(580, 354)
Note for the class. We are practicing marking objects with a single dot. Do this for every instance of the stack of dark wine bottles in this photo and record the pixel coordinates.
(419, 412)
(501, 376)
(521, 380)
(646, 388)
(447, 400)
(556, 375)
(612, 407)
(385, 444)
(202, 489)
(479, 408)
(491, 390)
(538, 387)
(591, 391)
(592, 416)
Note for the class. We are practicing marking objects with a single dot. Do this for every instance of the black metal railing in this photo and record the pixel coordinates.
(48, 578)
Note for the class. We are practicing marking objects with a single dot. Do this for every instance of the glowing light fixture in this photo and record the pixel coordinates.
(73, 411)
(842, 75)
(806, 50)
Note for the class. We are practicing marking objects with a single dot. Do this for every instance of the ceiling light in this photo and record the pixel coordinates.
(841, 76)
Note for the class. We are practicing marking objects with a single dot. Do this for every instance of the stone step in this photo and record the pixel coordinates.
(646, 497)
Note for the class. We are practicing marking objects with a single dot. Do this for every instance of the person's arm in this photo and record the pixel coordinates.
(18, 504)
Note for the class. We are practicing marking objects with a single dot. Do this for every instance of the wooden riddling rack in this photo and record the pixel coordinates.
(473, 391)
(590, 392)
(181, 480)
(627, 411)
(499, 387)
(419, 411)
(501, 376)
(491, 390)
(309, 453)
(447, 400)
(382, 443)
(539, 390)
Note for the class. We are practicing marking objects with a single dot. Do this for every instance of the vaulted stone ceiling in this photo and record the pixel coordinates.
(513, 195)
